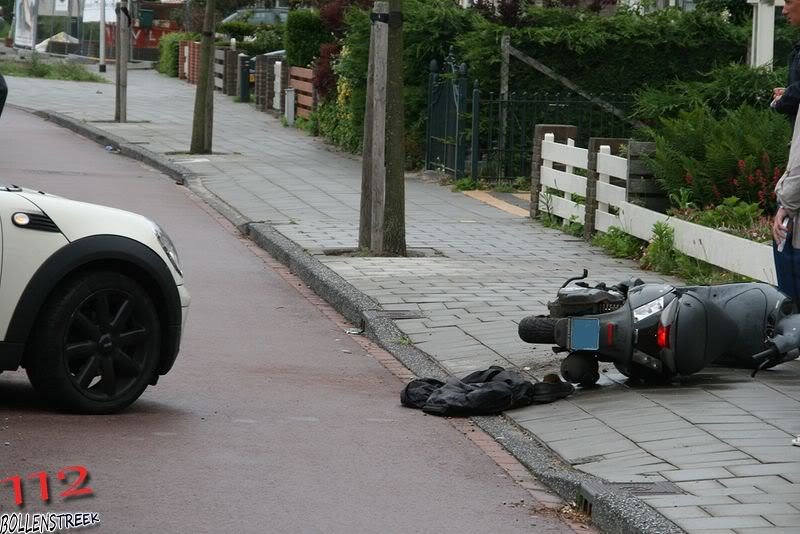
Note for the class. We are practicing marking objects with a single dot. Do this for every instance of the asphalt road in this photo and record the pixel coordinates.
(273, 419)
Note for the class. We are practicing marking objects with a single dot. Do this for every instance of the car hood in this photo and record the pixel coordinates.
(78, 219)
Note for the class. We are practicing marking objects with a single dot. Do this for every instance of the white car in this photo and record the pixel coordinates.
(92, 300)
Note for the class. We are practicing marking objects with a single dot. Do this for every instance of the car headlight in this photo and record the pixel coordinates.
(168, 246)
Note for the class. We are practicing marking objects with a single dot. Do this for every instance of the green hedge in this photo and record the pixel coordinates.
(304, 35)
(724, 88)
(267, 39)
(616, 54)
(623, 53)
(168, 51)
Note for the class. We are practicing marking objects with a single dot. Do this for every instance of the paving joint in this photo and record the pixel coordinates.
(614, 512)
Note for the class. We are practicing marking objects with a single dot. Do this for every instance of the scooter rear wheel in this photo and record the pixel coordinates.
(538, 330)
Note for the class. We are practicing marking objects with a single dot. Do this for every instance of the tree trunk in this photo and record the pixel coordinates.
(394, 234)
(204, 97)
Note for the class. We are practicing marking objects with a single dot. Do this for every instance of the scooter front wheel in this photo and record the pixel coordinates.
(581, 369)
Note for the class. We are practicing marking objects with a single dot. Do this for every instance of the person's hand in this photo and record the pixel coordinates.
(778, 231)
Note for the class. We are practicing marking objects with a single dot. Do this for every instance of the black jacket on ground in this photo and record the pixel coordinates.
(790, 100)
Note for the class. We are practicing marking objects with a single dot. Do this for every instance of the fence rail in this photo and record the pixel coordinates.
(301, 80)
(610, 205)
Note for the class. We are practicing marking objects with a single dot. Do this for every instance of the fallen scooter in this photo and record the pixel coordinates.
(658, 332)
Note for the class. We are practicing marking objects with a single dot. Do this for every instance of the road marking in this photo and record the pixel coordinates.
(487, 198)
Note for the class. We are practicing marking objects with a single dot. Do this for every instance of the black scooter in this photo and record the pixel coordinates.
(657, 332)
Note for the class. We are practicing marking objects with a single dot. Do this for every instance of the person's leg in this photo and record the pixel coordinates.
(787, 269)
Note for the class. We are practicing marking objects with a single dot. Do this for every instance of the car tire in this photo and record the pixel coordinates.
(95, 346)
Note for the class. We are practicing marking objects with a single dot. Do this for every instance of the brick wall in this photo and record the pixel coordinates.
(194, 62)
(182, 59)
(263, 81)
(231, 61)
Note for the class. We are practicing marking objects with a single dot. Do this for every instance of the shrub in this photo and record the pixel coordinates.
(238, 29)
(741, 154)
(324, 77)
(619, 244)
(168, 51)
(334, 124)
(267, 39)
(304, 35)
(660, 253)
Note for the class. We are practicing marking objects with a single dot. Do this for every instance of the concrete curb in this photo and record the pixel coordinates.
(180, 174)
(613, 511)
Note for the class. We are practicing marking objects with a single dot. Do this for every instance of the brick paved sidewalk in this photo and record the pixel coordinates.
(722, 438)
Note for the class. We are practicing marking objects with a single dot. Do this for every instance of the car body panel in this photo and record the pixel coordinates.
(21, 254)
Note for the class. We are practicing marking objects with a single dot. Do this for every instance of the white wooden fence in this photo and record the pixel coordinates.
(724, 250)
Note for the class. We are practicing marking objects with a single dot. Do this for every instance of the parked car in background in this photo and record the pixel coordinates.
(259, 16)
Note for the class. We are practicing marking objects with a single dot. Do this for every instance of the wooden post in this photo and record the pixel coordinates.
(505, 52)
(605, 145)
(365, 224)
(382, 225)
(642, 188)
(122, 53)
(562, 132)
(378, 188)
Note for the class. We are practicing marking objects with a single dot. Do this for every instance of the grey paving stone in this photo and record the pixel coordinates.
(762, 509)
(766, 530)
(761, 482)
(714, 473)
(662, 501)
(766, 469)
(785, 520)
(686, 512)
(735, 522)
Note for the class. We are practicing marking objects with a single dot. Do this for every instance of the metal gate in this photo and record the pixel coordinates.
(445, 149)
